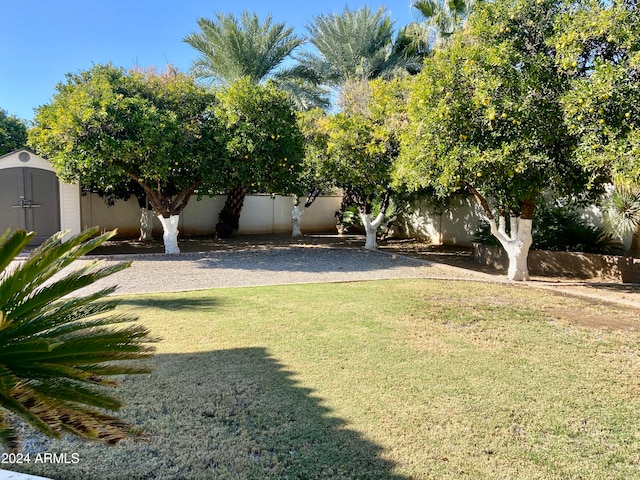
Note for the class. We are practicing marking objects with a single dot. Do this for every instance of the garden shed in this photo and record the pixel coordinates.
(32, 198)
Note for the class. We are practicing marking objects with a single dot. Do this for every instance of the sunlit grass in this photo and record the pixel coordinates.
(390, 379)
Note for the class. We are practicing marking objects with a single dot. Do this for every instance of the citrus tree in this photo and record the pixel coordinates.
(264, 147)
(355, 151)
(105, 127)
(311, 181)
(58, 347)
(598, 46)
(486, 116)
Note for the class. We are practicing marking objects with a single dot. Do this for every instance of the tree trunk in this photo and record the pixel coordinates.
(167, 208)
(296, 215)
(170, 233)
(371, 229)
(634, 249)
(229, 217)
(146, 224)
(516, 244)
(518, 241)
(346, 201)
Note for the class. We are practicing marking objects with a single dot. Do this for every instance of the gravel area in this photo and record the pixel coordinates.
(193, 271)
(251, 260)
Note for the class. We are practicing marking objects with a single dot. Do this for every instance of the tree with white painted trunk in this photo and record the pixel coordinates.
(354, 150)
(517, 241)
(312, 179)
(125, 191)
(486, 118)
(296, 213)
(264, 147)
(106, 127)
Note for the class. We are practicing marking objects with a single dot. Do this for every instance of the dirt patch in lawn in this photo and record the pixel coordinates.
(612, 318)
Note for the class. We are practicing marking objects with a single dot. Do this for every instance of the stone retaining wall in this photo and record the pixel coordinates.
(566, 264)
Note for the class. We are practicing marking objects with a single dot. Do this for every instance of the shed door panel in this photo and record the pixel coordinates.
(29, 200)
(11, 188)
(41, 187)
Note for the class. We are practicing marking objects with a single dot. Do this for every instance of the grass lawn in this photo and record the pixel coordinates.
(389, 379)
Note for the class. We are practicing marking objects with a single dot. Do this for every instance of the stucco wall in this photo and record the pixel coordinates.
(462, 218)
(260, 214)
(453, 225)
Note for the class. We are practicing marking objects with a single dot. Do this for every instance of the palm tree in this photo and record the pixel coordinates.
(57, 347)
(354, 45)
(232, 48)
(441, 19)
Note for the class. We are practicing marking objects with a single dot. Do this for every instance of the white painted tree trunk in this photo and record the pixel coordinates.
(516, 244)
(296, 215)
(170, 233)
(371, 229)
(146, 224)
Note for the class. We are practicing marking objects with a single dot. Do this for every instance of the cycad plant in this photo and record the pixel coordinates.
(58, 347)
(622, 213)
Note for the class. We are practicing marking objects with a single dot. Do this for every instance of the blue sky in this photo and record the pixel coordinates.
(44, 40)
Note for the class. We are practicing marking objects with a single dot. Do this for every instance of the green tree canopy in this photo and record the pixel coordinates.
(13, 133)
(598, 46)
(106, 127)
(264, 148)
(486, 115)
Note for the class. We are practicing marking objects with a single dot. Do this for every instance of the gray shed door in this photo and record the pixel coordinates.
(29, 200)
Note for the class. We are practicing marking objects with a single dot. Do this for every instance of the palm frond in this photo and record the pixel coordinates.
(57, 346)
(441, 18)
(304, 94)
(230, 48)
(355, 43)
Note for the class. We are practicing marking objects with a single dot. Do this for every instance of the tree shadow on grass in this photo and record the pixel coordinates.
(173, 303)
(225, 414)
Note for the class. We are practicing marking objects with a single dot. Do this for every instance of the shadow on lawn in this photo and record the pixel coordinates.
(173, 303)
(226, 414)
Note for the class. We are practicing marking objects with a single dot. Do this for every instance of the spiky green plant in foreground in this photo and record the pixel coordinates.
(56, 349)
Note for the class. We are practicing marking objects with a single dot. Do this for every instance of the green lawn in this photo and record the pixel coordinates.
(389, 379)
